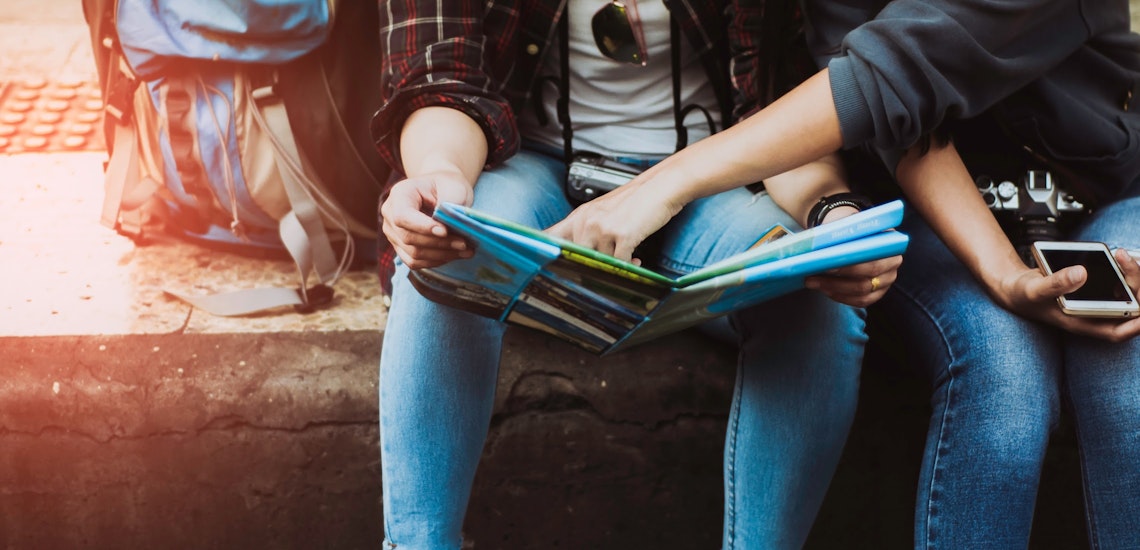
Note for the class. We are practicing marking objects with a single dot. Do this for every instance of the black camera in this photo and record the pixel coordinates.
(590, 176)
(1033, 208)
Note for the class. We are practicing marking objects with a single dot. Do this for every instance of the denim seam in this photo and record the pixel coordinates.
(676, 267)
(934, 468)
(1090, 517)
(730, 469)
(945, 413)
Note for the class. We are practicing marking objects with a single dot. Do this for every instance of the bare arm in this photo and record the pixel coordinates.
(799, 128)
(786, 149)
(441, 166)
(797, 190)
(442, 139)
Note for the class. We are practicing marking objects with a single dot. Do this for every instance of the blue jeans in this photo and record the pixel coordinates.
(796, 386)
(998, 384)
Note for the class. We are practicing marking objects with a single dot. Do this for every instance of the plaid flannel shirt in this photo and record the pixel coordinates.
(482, 57)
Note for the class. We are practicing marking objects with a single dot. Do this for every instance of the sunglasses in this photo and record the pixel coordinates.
(617, 31)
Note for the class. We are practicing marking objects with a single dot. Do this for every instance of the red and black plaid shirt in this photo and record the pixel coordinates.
(482, 57)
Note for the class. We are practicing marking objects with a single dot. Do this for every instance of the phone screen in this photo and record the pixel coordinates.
(1102, 285)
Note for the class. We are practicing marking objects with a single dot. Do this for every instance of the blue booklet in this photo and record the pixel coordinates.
(525, 277)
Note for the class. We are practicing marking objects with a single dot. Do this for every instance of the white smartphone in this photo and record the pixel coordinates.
(1104, 294)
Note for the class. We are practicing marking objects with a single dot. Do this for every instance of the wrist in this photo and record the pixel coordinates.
(999, 273)
(671, 184)
(826, 207)
(839, 213)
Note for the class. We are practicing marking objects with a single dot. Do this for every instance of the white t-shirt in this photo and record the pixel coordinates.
(620, 109)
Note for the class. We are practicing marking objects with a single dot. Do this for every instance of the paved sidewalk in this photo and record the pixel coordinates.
(44, 38)
(127, 418)
(65, 274)
(72, 276)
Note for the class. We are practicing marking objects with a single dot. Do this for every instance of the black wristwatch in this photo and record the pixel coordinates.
(831, 202)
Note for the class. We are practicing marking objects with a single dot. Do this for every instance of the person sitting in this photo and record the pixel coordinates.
(465, 84)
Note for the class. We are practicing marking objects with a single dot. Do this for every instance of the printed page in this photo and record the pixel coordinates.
(588, 299)
(867, 222)
(737, 290)
(569, 249)
(487, 283)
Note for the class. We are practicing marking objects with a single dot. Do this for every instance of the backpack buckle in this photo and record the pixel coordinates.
(313, 298)
(119, 99)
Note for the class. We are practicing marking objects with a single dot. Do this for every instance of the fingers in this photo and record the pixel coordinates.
(858, 285)
(409, 205)
(1130, 268)
(419, 240)
(597, 229)
(1059, 283)
(867, 270)
(421, 251)
(853, 292)
(1111, 330)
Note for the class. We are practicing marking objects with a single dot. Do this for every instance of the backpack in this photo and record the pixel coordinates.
(243, 126)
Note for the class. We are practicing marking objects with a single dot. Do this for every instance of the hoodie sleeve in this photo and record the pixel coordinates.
(898, 75)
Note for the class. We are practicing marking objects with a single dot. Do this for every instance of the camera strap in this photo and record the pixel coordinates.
(563, 103)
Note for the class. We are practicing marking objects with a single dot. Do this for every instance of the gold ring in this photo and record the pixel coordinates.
(874, 284)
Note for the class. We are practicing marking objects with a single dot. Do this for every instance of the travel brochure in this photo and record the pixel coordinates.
(525, 277)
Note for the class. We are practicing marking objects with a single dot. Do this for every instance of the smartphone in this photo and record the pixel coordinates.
(1104, 294)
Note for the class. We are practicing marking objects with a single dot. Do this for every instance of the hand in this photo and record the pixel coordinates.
(858, 285)
(618, 221)
(1034, 295)
(419, 240)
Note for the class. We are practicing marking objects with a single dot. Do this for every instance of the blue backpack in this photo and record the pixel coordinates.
(243, 125)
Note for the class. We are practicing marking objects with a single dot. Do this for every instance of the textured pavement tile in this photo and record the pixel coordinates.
(62, 273)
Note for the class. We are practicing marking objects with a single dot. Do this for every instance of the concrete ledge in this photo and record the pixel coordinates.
(189, 441)
(127, 419)
(270, 441)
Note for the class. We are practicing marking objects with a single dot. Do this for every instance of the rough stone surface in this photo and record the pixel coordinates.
(73, 276)
(269, 440)
(189, 441)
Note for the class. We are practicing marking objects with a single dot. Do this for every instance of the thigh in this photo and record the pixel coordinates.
(526, 189)
(1103, 385)
(1097, 369)
(717, 227)
(946, 322)
(995, 397)
(1117, 224)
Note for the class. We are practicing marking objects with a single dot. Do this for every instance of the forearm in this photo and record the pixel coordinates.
(798, 190)
(797, 129)
(941, 189)
(441, 139)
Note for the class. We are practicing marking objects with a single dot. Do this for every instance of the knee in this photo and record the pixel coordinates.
(804, 340)
(1007, 415)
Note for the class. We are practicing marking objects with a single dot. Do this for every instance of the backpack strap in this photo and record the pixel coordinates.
(302, 229)
(269, 112)
(124, 188)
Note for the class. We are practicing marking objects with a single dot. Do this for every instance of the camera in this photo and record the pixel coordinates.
(1033, 208)
(590, 176)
